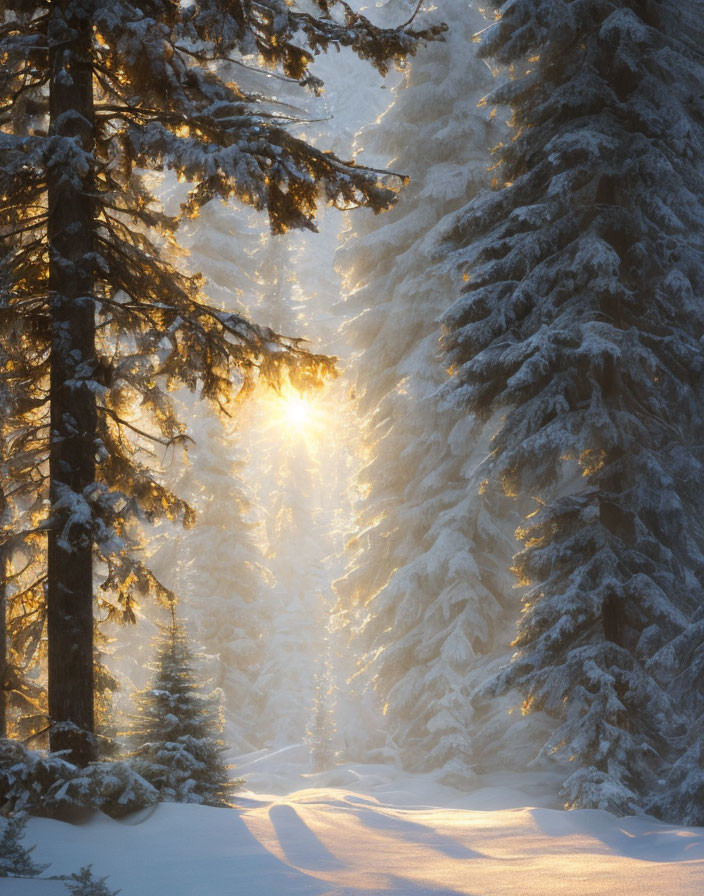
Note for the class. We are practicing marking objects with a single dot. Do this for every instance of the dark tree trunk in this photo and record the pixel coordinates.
(73, 409)
(612, 618)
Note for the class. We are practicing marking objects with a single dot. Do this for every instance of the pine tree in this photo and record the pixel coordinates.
(175, 735)
(84, 884)
(320, 735)
(579, 330)
(94, 317)
(15, 859)
(423, 600)
(44, 783)
(295, 549)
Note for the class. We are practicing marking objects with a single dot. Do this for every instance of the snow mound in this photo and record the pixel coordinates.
(391, 834)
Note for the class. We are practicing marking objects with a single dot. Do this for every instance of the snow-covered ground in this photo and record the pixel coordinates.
(370, 830)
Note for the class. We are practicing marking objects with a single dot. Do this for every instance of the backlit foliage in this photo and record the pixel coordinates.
(165, 98)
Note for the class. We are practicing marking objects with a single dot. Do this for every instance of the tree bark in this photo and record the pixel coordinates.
(73, 408)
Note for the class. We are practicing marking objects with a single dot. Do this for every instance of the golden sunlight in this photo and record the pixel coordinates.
(298, 414)
(297, 409)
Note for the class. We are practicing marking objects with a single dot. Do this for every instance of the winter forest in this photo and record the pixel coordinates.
(351, 447)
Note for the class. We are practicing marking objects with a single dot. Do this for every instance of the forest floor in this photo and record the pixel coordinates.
(369, 830)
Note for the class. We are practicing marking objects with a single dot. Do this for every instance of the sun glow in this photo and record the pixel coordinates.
(297, 409)
(297, 415)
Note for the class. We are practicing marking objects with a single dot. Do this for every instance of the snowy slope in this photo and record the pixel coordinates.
(380, 833)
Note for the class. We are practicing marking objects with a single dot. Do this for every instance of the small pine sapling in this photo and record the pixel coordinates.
(176, 733)
(320, 735)
(15, 859)
(84, 884)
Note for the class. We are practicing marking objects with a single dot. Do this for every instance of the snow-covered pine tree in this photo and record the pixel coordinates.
(176, 729)
(581, 324)
(320, 735)
(16, 859)
(93, 312)
(42, 783)
(295, 547)
(422, 597)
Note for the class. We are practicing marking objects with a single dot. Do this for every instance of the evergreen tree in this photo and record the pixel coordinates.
(423, 601)
(579, 329)
(96, 322)
(295, 550)
(84, 884)
(44, 783)
(320, 735)
(175, 735)
(15, 860)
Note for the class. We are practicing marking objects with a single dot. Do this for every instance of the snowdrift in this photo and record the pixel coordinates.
(388, 834)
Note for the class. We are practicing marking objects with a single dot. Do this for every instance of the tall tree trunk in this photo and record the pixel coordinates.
(73, 409)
